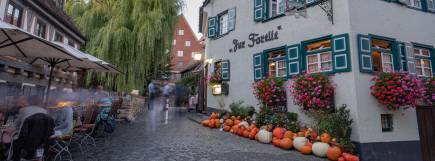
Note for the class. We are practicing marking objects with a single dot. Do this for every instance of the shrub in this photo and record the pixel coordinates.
(238, 109)
(288, 120)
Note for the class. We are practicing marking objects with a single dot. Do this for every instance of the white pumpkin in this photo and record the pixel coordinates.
(264, 136)
(320, 149)
(298, 142)
(244, 123)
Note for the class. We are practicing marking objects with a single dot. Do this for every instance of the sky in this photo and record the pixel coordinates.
(191, 12)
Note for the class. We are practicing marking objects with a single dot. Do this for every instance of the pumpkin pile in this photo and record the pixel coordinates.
(306, 141)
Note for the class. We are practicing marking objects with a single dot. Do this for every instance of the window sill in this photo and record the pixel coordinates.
(220, 36)
(272, 18)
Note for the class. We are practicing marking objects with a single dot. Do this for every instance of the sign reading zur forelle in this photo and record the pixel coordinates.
(255, 39)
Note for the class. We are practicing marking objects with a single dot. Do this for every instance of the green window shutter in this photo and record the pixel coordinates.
(258, 66)
(341, 53)
(293, 60)
(212, 27)
(258, 10)
(402, 54)
(364, 54)
(231, 19)
(225, 70)
(396, 55)
(410, 59)
(424, 6)
(432, 57)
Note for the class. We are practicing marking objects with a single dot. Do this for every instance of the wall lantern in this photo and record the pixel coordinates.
(216, 89)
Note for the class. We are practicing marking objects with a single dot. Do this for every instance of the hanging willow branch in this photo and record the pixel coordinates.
(134, 35)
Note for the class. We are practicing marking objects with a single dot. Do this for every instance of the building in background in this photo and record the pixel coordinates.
(46, 19)
(184, 47)
(350, 42)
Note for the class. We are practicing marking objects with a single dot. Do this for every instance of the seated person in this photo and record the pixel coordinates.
(63, 120)
(28, 106)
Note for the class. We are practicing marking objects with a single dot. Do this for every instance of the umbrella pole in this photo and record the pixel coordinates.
(47, 94)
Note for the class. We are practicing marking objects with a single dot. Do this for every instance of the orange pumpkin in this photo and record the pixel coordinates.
(236, 122)
(350, 157)
(278, 132)
(211, 123)
(218, 123)
(227, 128)
(229, 122)
(253, 133)
(333, 153)
(241, 130)
(341, 159)
(205, 122)
(326, 138)
(286, 143)
(288, 134)
(276, 141)
(305, 149)
(301, 134)
(235, 128)
(252, 126)
(214, 115)
(246, 133)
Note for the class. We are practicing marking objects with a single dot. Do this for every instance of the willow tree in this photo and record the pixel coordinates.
(134, 35)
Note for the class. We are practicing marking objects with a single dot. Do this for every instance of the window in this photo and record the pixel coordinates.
(187, 43)
(222, 68)
(277, 64)
(431, 5)
(14, 14)
(70, 42)
(387, 122)
(382, 57)
(319, 58)
(423, 65)
(414, 3)
(174, 42)
(277, 7)
(223, 24)
(58, 37)
(180, 53)
(181, 32)
(40, 29)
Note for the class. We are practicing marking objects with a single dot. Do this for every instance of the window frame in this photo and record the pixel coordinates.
(219, 23)
(319, 62)
(276, 60)
(180, 32)
(187, 43)
(420, 57)
(180, 52)
(39, 23)
(56, 34)
(14, 8)
(383, 52)
(318, 52)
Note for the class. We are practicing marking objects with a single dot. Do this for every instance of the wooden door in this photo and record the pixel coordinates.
(426, 127)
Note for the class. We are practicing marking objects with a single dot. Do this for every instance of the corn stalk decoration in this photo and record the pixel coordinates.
(134, 35)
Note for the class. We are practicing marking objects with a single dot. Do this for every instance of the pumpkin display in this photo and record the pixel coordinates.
(217, 123)
(235, 129)
(306, 149)
(227, 128)
(320, 149)
(326, 138)
(278, 132)
(341, 159)
(301, 134)
(333, 153)
(298, 142)
(229, 122)
(214, 115)
(313, 135)
(236, 122)
(349, 157)
(288, 134)
(264, 136)
(205, 122)
(211, 123)
(252, 126)
(286, 143)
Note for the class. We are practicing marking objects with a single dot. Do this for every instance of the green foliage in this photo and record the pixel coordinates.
(191, 82)
(238, 109)
(288, 120)
(339, 125)
(134, 35)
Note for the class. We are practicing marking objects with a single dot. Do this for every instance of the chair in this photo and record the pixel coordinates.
(116, 105)
(33, 135)
(83, 132)
(61, 146)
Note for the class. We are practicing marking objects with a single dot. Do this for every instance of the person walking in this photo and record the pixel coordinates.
(151, 94)
(166, 94)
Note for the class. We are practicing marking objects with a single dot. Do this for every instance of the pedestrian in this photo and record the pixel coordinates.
(166, 95)
(151, 94)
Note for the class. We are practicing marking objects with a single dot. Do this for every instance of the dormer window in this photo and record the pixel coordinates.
(14, 14)
(40, 29)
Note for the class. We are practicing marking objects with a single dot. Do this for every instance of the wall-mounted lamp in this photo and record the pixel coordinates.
(197, 56)
(216, 89)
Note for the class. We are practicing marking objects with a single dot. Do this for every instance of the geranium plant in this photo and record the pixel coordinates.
(313, 92)
(396, 90)
(270, 91)
(430, 90)
(215, 79)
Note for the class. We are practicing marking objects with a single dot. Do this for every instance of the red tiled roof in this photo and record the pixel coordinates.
(60, 15)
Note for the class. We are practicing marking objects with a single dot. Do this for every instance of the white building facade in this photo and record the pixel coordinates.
(356, 40)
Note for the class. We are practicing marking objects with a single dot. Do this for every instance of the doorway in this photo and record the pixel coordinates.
(426, 128)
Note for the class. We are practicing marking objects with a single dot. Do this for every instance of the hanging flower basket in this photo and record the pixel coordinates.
(270, 92)
(215, 79)
(397, 90)
(313, 92)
